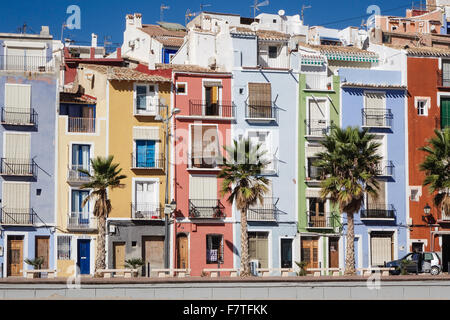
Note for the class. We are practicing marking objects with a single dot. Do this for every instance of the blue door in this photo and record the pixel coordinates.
(145, 151)
(84, 256)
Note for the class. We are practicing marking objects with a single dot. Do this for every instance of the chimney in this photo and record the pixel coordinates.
(138, 20)
(93, 40)
(119, 53)
(45, 31)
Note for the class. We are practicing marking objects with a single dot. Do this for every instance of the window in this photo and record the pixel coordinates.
(181, 88)
(17, 108)
(80, 158)
(273, 52)
(446, 73)
(286, 253)
(145, 153)
(63, 247)
(204, 146)
(214, 248)
(422, 106)
(313, 172)
(258, 248)
(445, 113)
(146, 99)
(17, 158)
(415, 193)
(259, 100)
(146, 200)
(80, 212)
(16, 203)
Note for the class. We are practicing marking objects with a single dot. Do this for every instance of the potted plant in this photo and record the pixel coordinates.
(302, 265)
(403, 264)
(329, 85)
(134, 263)
(36, 263)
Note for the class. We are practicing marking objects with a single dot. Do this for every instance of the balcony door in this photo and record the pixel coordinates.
(317, 214)
(212, 97)
(16, 203)
(317, 117)
(80, 213)
(204, 146)
(81, 155)
(445, 112)
(146, 99)
(265, 139)
(203, 195)
(376, 206)
(17, 104)
(375, 109)
(446, 73)
(25, 59)
(17, 154)
(146, 200)
(259, 101)
(145, 153)
(258, 248)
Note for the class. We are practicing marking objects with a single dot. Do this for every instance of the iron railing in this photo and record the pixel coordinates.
(147, 162)
(314, 173)
(153, 108)
(202, 108)
(146, 211)
(81, 125)
(265, 211)
(19, 116)
(317, 127)
(264, 110)
(14, 216)
(320, 82)
(385, 168)
(280, 62)
(320, 220)
(75, 176)
(372, 117)
(18, 167)
(202, 162)
(378, 211)
(206, 209)
(82, 221)
(26, 63)
(443, 80)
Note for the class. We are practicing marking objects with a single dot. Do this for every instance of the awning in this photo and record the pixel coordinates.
(212, 84)
(351, 57)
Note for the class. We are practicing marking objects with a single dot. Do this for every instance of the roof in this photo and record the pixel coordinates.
(423, 51)
(262, 34)
(344, 53)
(167, 37)
(123, 73)
(67, 97)
(186, 67)
(372, 85)
(172, 26)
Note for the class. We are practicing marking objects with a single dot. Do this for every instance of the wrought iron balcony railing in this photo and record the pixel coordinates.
(443, 80)
(81, 125)
(378, 211)
(317, 127)
(82, 221)
(377, 118)
(75, 176)
(202, 108)
(265, 211)
(19, 116)
(202, 161)
(147, 162)
(14, 216)
(26, 63)
(206, 209)
(385, 168)
(261, 111)
(320, 220)
(319, 82)
(152, 108)
(18, 167)
(146, 211)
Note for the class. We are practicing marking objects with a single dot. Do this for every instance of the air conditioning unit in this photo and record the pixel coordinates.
(254, 265)
(112, 229)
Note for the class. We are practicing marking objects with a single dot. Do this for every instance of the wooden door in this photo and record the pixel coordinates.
(333, 252)
(182, 252)
(310, 252)
(153, 252)
(119, 255)
(42, 250)
(15, 256)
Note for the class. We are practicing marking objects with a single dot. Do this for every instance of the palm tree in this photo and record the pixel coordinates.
(106, 175)
(349, 166)
(245, 185)
(437, 168)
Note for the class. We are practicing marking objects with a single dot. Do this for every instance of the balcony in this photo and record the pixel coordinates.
(378, 211)
(204, 109)
(263, 111)
(81, 125)
(146, 211)
(385, 169)
(18, 167)
(443, 80)
(206, 209)
(147, 162)
(152, 109)
(74, 176)
(280, 62)
(318, 82)
(26, 63)
(319, 220)
(377, 118)
(445, 218)
(19, 116)
(313, 177)
(317, 128)
(202, 162)
(82, 221)
(23, 217)
(265, 211)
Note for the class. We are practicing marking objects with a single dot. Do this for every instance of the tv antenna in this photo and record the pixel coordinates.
(188, 15)
(303, 11)
(202, 5)
(23, 28)
(256, 6)
(162, 8)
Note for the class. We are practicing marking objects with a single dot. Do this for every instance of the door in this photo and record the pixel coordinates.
(17, 103)
(17, 151)
(42, 250)
(83, 259)
(145, 151)
(414, 261)
(333, 252)
(445, 252)
(375, 110)
(80, 213)
(80, 159)
(182, 251)
(381, 248)
(318, 115)
(310, 251)
(146, 205)
(258, 248)
(153, 252)
(15, 256)
(119, 255)
(445, 113)
(259, 100)
(211, 100)
(317, 217)
(286, 253)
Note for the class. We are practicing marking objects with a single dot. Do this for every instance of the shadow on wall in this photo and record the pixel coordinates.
(231, 246)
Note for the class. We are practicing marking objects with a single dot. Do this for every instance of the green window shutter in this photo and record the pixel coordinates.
(445, 113)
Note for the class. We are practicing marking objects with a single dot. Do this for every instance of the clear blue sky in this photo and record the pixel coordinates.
(107, 17)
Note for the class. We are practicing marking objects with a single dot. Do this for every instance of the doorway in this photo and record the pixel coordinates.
(182, 251)
(119, 255)
(286, 253)
(84, 257)
(153, 253)
(333, 252)
(15, 256)
(310, 251)
(42, 249)
(445, 252)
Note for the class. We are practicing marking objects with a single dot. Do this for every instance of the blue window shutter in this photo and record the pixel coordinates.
(150, 154)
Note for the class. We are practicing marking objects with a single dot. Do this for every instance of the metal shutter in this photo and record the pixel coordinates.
(381, 249)
(16, 196)
(260, 94)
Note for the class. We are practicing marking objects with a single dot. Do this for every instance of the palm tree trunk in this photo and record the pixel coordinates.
(245, 269)
(350, 246)
(101, 251)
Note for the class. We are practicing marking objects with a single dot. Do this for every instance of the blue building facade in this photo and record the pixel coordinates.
(376, 100)
(28, 96)
(265, 96)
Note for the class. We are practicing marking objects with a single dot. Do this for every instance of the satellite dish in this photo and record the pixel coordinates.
(281, 12)
(253, 26)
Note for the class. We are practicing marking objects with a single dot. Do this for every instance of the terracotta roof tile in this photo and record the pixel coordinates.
(423, 51)
(166, 37)
(326, 49)
(123, 73)
(186, 67)
(66, 97)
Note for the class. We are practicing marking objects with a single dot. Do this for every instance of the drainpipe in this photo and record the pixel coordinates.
(166, 196)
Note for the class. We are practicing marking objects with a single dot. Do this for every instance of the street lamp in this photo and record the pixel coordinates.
(168, 207)
(427, 209)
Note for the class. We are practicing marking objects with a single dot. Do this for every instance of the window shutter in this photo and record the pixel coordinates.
(260, 94)
(375, 100)
(317, 110)
(202, 187)
(381, 250)
(17, 146)
(16, 196)
(149, 133)
(18, 97)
